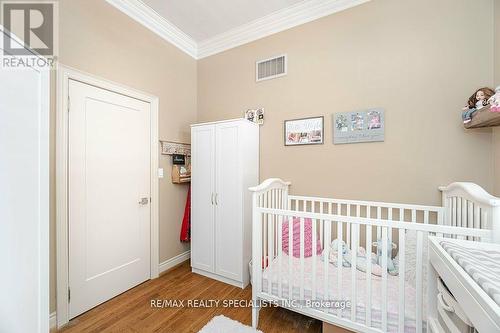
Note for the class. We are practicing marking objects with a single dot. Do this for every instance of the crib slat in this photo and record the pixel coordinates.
(379, 216)
(419, 291)
(384, 279)
(402, 271)
(484, 219)
(290, 256)
(270, 240)
(368, 273)
(340, 260)
(265, 237)
(314, 244)
(301, 242)
(321, 229)
(449, 219)
(454, 211)
(348, 228)
(268, 259)
(470, 215)
(354, 258)
(459, 212)
(477, 218)
(440, 220)
(280, 254)
(327, 225)
(389, 217)
(464, 213)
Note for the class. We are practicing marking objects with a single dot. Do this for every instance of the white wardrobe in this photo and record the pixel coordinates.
(224, 164)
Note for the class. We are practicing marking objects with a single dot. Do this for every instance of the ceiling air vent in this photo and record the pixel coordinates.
(271, 68)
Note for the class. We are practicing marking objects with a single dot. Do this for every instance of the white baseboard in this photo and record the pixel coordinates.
(52, 320)
(167, 264)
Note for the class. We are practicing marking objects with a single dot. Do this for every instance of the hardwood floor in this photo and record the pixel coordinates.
(132, 311)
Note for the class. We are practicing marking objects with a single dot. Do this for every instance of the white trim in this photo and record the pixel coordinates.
(224, 121)
(172, 262)
(286, 18)
(303, 12)
(52, 320)
(149, 18)
(64, 74)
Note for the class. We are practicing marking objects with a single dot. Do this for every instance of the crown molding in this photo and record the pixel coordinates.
(284, 19)
(303, 12)
(149, 18)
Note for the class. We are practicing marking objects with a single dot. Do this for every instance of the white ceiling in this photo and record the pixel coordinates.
(204, 19)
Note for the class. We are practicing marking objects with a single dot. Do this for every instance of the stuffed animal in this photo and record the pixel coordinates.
(495, 101)
(333, 254)
(390, 264)
(361, 263)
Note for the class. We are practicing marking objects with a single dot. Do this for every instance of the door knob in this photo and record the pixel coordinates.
(144, 201)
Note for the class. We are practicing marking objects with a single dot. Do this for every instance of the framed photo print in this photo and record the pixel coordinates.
(305, 131)
(359, 126)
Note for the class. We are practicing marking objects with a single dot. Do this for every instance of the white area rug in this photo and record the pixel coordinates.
(221, 324)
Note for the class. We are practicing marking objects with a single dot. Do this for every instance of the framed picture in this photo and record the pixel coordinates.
(359, 126)
(305, 131)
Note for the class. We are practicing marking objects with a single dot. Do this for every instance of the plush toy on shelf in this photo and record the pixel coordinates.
(494, 101)
(476, 102)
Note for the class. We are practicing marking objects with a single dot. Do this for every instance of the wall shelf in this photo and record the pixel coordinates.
(484, 118)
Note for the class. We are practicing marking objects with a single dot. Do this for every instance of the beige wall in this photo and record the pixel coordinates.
(98, 39)
(409, 57)
(496, 130)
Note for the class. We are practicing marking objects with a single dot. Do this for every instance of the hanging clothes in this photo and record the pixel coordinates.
(186, 221)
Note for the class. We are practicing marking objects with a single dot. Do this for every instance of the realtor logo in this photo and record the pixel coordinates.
(34, 22)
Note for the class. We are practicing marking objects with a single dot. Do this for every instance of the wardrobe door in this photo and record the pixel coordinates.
(202, 197)
(228, 226)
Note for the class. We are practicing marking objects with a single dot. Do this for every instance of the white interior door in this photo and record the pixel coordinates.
(24, 203)
(109, 174)
(229, 202)
(202, 198)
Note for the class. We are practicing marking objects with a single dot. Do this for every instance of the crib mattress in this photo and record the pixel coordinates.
(481, 264)
(270, 275)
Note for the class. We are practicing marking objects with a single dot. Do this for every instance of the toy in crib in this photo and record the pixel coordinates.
(495, 101)
(361, 263)
(390, 264)
(333, 253)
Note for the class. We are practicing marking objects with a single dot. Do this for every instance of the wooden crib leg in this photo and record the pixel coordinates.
(255, 314)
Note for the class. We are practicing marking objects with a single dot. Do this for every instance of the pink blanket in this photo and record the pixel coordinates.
(308, 237)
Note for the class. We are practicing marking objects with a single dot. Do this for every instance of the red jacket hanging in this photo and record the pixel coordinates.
(186, 221)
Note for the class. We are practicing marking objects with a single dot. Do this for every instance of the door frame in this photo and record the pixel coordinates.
(64, 75)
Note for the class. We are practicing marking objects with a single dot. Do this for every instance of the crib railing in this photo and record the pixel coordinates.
(368, 209)
(357, 223)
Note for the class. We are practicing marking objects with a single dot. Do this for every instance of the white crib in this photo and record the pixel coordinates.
(346, 296)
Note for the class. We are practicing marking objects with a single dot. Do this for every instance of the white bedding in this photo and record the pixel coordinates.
(271, 272)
